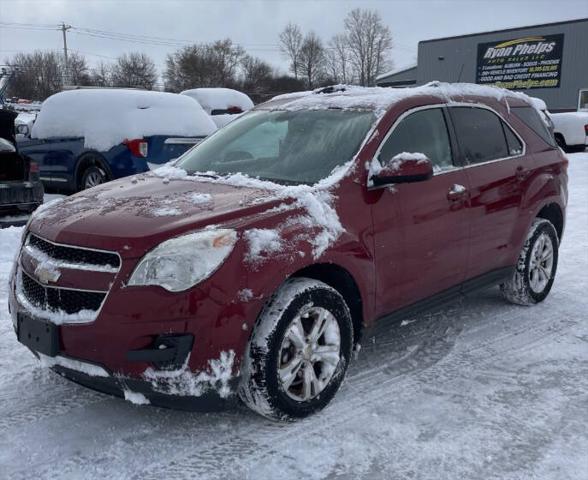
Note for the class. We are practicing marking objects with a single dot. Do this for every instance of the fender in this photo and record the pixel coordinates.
(357, 262)
(543, 189)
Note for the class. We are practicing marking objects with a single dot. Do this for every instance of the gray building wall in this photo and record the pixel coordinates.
(459, 59)
(400, 78)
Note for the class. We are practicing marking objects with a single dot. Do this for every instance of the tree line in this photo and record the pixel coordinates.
(356, 55)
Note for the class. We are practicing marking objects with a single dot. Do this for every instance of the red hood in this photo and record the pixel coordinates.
(133, 215)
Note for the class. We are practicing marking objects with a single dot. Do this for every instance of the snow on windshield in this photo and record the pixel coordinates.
(106, 117)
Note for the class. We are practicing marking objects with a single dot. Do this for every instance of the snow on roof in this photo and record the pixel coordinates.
(219, 98)
(106, 117)
(380, 99)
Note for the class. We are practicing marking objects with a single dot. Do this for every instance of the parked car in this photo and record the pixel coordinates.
(255, 263)
(82, 138)
(21, 191)
(571, 130)
(222, 104)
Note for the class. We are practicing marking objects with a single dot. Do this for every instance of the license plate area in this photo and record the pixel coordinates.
(38, 334)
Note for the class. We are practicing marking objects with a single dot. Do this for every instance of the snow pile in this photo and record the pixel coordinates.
(380, 99)
(72, 364)
(57, 317)
(201, 198)
(166, 212)
(316, 200)
(105, 118)
(375, 167)
(245, 295)
(184, 382)
(262, 243)
(51, 263)
(47, 208)
(219, 98)
(135, 397)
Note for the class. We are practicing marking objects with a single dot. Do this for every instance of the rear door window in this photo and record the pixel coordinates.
(424, 131)
(515, 147)
(481, 134)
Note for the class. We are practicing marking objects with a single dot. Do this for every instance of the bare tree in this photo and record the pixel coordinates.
(37, 75)
(203, 65)
(101, 76)
(369, 42)
(134, 70)
(226, 58)
(291, 45)
(78, 73)
(312, 59)
(257, 74)
(337, 60)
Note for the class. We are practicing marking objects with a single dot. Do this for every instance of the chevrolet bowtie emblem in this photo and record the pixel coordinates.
(46, 274)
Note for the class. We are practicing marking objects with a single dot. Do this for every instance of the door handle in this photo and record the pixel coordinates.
(456, 192)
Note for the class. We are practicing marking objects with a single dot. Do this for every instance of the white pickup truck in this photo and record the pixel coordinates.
(571, 130)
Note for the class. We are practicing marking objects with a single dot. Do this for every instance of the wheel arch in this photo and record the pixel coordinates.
(343, 281)
(559, 135)
(553, 212)
(87, 159)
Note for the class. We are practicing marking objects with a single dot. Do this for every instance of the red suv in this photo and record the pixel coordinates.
(252, 265)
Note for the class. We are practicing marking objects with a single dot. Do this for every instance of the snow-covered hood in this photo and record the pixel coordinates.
(135, 214)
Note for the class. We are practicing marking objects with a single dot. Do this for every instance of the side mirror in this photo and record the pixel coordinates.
(22, 129)
(402, 168)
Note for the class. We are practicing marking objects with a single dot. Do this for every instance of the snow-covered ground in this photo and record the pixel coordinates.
(479, 390)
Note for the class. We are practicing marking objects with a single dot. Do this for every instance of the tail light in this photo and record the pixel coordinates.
(234, 110)
(33, 172)
(138, 147)
(586, 129)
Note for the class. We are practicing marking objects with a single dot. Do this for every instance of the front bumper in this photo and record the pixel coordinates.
(126, 335)
(209, 401)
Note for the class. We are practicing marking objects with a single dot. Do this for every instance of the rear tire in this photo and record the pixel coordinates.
(92, 176)
(536, 267)
(299, 351)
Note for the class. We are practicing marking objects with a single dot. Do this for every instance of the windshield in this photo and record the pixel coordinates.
(289, 147)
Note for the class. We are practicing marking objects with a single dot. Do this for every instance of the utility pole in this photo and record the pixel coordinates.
(64, 29)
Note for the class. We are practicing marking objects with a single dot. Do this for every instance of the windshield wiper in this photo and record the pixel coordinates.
(205, 175)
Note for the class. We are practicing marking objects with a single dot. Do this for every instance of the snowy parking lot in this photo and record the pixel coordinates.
(479, 390)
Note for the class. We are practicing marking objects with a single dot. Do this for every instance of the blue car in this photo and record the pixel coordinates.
(82, 138)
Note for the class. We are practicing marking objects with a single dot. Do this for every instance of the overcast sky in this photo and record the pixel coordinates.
(257, 24)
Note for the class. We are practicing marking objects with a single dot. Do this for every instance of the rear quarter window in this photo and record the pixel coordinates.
(530, 117)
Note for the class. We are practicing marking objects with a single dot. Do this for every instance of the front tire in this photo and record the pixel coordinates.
(299, 351)
(536, 267)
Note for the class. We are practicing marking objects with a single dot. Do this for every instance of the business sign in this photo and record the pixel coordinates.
(521, 63)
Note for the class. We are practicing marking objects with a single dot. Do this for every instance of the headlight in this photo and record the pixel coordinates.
(182, 262)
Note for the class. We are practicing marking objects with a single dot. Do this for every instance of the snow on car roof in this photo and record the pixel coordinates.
(219, 98)
(106, 117)
(380, 99)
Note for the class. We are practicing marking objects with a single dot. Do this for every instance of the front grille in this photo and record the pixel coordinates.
(74, 254)
(60, 299)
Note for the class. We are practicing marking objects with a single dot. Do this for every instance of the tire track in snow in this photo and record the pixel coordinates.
(390, 376)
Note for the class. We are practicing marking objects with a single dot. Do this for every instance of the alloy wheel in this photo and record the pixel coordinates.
(541, 263)
(93, 178)
(309, 354)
